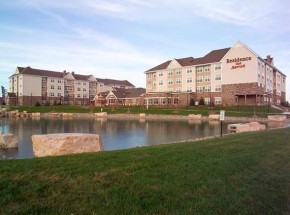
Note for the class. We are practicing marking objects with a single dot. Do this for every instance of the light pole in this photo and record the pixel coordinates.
(31, 99)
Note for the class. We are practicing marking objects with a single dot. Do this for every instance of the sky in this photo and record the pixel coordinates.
(122, 39)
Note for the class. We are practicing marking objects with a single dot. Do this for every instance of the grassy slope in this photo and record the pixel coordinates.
(238, 174)
(241, 111)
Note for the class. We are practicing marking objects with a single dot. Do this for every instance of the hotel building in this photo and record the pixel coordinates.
(29, 86)
(228, 76)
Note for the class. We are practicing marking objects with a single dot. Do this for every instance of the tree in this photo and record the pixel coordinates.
(192, 102)
(201, 101)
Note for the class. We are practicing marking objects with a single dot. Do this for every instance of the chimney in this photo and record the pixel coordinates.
(270, 59)
(72, 72)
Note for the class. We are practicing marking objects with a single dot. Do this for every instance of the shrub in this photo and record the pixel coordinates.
(192, 102)
(201, 101)
(37, 104)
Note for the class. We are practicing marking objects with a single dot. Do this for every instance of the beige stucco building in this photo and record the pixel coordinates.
(29, 86)
(228, 76)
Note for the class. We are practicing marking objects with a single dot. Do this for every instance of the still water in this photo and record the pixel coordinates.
(115, 134)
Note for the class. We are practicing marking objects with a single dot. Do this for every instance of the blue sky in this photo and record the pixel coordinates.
(122, 39)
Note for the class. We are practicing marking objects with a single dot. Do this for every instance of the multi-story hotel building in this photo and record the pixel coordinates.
(29, 86)
(228, 76)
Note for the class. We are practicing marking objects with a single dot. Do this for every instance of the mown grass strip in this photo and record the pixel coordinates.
(239, 174)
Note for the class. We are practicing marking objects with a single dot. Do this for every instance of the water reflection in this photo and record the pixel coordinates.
(115, 134)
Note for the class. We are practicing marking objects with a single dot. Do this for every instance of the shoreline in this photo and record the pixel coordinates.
(129, 116)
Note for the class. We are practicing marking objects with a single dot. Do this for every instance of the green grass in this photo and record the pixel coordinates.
(239, 174)
(233, 111)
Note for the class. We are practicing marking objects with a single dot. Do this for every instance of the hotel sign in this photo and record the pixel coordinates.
(238, 62)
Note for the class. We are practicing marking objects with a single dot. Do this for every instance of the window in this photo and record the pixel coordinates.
(217, 66)
(207, 78)
(189, 89)
(218, 100)
(218, 88)
(178, 81)
(189, 70)
(149, 76)
(199, 79)
(175, 101)
(79, 95)
(207, 68)
(160, 82)
(52, 87)
(52, 80)
(170, 81)
(178, 89)
(199, 89)
(84, 83)
(170, 89)
(160, 73)
(58, 80)
(59, 87)
(207, 88)
(199, 69)
(52, 94)
(218, 77)
(178, 72)
(207, 101)
(79, 89)
(59, 94)
(84, 89)
(170, 72)
(189, 79)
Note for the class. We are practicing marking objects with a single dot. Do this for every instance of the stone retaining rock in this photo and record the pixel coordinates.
(251, 126)
(35, 115)
(101, 114)
(65, 143)
(277, 118)
(194, 116)
(8, 141)
(214, 117)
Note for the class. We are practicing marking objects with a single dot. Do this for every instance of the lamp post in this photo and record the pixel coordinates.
(31, 99)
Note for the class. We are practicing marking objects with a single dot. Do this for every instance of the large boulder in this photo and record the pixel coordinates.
(8, 141)
(65, 143)
(101, 114)
(194, 116)
(214, 117)
(251, 126)
(277, 118)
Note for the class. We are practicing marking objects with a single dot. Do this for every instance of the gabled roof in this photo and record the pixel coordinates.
(211, 57)
(122, 93)
(115, 82)
(46, 73)
(81, 77)
(188, 61)
(160, 67)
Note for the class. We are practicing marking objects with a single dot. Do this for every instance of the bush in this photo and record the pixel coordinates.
(37, 104)
(201, 101)
(192, 102)
(47, 103)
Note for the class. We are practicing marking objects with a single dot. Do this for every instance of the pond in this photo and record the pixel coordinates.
(115, 134)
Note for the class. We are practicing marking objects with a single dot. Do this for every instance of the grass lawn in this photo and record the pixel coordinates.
(238, 174)
(241, 111)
